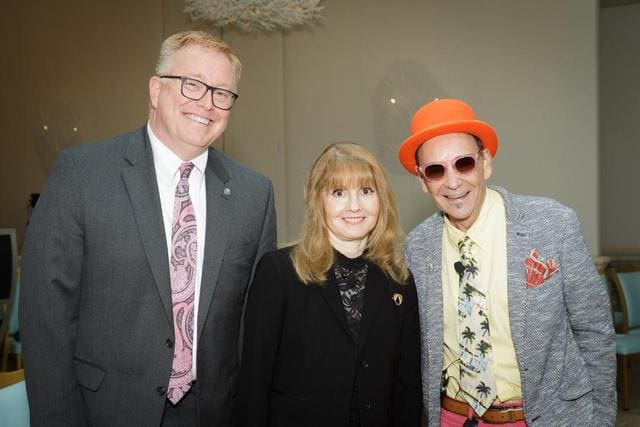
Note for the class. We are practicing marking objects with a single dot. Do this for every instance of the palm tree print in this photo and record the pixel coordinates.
(483, 389)
(468, 335)
(468, 291)
(484, 325)
(461, 243)
(471, 267)
(483, 347)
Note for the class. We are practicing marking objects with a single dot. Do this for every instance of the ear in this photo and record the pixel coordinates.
(423, 185)
(487, 164)
(154, 91)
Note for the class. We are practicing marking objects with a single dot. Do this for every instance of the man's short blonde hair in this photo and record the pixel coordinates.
(201, 38)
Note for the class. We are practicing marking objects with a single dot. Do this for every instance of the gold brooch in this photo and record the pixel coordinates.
(397, 298)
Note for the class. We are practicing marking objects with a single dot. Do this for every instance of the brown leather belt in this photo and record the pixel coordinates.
(492, 416)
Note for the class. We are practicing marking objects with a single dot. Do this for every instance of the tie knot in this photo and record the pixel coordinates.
(464, 246)
(185, 170)
(182, 189)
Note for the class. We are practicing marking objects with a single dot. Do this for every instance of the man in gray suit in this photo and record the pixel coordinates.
(138, 258)
(516, 327)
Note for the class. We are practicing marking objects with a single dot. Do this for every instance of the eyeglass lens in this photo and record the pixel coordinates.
(196, 90)
(463, 165)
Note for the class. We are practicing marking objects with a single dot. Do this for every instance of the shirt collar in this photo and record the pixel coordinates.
(481, 230)
(167, 163)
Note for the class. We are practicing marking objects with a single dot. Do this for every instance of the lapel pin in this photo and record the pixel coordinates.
(429, 267)
(226, 192)
(397, 298)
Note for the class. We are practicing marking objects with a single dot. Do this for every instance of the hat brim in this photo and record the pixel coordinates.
(408, 148)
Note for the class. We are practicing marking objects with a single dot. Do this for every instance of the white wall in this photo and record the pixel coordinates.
(620, 129)
(528, 68)
(74, 63)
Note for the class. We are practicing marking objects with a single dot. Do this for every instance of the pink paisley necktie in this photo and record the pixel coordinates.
(183, 278)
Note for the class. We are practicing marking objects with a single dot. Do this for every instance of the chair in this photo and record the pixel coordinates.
(11, 377)
(605, 274)
(627, 283)
(626, 280)
(14, 407)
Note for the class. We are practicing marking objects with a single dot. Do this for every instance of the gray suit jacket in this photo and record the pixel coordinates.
(562, 329)
(96, 312)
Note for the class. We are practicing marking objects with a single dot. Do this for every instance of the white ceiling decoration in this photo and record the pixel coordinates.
(255, 15)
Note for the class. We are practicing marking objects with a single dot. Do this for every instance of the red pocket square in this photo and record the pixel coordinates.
(537, 270)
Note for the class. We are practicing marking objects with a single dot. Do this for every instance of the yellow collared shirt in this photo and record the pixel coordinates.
(490, 235)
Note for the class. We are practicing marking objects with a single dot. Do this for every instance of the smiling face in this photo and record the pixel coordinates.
(351, 213)
(460, 196)
(189, 127)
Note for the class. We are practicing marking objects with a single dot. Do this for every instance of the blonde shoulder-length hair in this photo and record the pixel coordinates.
(347, 165)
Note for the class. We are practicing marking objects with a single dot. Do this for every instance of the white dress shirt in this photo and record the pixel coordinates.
(167, 165)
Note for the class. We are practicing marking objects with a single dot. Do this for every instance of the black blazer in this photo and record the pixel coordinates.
(299, 359)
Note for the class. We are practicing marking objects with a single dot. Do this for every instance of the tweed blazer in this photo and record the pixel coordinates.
(96, 312)
(562, 328)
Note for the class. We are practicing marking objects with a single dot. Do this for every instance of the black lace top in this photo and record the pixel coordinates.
(351, 276)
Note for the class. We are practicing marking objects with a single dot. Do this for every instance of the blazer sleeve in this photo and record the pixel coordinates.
(590, 319)
(50, 293)
(407, 394)
(264, 319)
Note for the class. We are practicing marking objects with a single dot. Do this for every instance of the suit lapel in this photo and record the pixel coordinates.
(429, 288)
(332, 296)
(219, 202)
(518, 247)
(374, 295)
(141, 184)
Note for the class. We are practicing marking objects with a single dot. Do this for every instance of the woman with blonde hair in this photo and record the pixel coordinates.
(331, 327)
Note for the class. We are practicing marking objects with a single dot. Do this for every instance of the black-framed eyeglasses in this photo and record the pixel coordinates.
(434, 172)
(195, 90)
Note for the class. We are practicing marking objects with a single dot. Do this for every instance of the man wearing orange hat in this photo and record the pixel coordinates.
(516, 327)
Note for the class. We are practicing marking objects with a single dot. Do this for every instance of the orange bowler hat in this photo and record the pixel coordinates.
(439, 117)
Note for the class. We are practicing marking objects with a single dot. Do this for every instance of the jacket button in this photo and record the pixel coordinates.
(364, 364)
(367, 406)
(169, 342)
(161, 391)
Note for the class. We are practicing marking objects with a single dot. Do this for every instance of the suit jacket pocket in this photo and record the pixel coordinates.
(575, 386)
(575, 381)
(88, 376)
(290, 405)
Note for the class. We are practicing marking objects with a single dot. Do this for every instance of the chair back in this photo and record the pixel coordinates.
(603, 280)
(11, 377)
(627, 282)
(14, 406)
